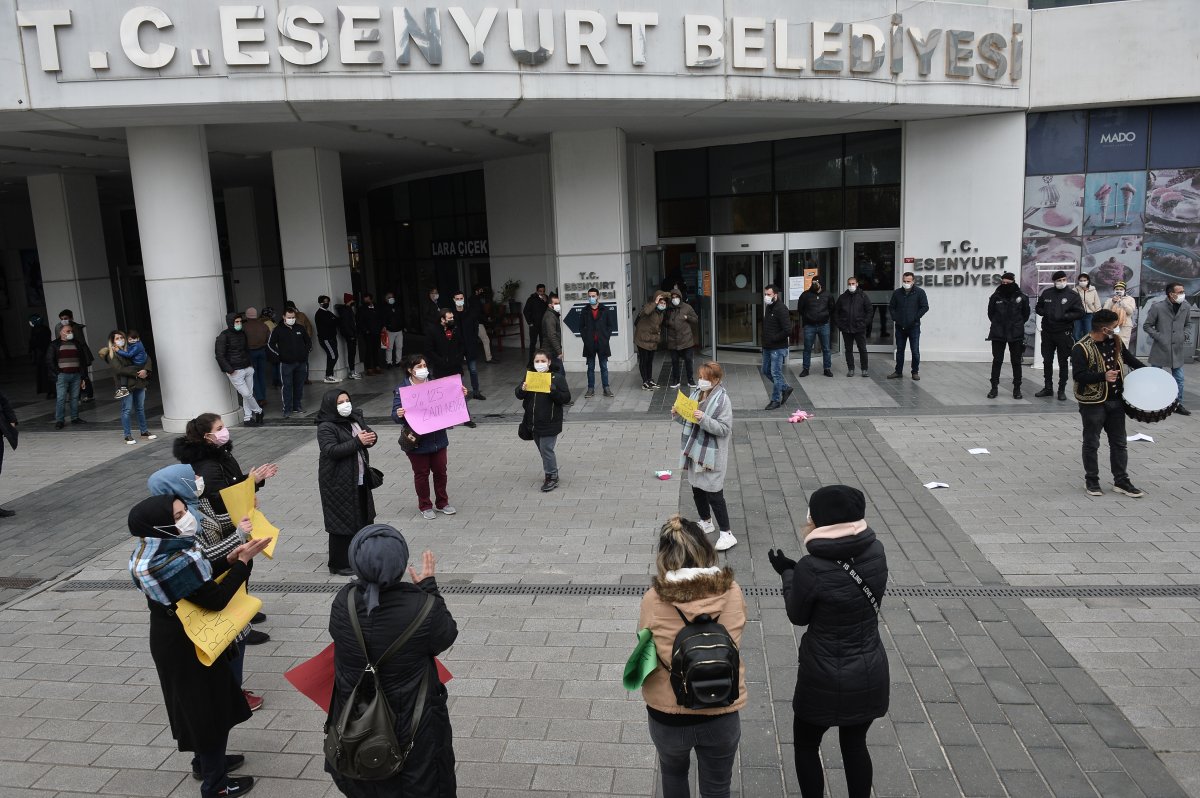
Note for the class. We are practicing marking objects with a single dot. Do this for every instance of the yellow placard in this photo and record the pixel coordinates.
(212, 631)
(686, 408)
(239, 501)
(537, 381)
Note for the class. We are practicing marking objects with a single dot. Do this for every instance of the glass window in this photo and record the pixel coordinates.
(1054, 142)
(820, 209)
(872, 207)
(475, 200)
(685, 217)
(1173, 136)
(739, 169)
(873, 159)
(754, 214)
(814, 162)
(418, 199)
(681, 173)
(441, 197)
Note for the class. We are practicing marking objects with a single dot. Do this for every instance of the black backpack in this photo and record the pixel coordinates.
(362, 743)
(705, 664)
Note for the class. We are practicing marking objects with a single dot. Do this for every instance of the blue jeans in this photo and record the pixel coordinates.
(258, 359)
(474, 372)
(294, 375)
(1177, 373)
(591, 361)
(772, 367)
(136, 400)
(911, 336)
(1083, 326)
(811, 331)
(66, 386)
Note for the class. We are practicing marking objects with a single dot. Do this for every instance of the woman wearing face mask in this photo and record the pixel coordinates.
(132, 379)
(346, 501)
(430, 456)
(203, 702)
(544, 416)
(1091, 303)
(1125, 307)
(705, 453)
(647, 333)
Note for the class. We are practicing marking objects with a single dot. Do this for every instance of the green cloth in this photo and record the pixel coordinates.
(642, 661)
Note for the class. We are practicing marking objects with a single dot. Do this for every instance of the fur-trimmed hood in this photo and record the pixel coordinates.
(698, 587)
(189, 452)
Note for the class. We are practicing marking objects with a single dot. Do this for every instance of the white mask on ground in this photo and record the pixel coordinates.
(421, 374)
(541, 368)
(344, 409)
(704, 385)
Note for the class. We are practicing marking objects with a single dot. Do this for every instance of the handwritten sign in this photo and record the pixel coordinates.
(212, 631)
(239, 501)
(434, 405)
(686, 408)
(537, 382)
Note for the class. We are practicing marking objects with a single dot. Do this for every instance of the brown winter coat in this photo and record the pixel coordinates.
(647, 328)
(715, 594)
(681, 325)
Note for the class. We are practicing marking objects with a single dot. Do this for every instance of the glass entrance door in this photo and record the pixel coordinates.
(871, 256)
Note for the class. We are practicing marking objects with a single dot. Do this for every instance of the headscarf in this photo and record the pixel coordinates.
(328, 410)
(177, 481)
(163, 567)
(378, 554)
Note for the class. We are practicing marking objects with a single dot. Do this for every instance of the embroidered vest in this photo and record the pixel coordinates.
(1094, 393)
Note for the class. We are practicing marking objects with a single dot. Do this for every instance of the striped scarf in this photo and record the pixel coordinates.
(699, 446)
(168, 569)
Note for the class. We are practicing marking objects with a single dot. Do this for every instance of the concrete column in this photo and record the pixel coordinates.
(172, 192)
(312, 235)
(253, 246)
(520, 214)
(588, 178)
(70, 243)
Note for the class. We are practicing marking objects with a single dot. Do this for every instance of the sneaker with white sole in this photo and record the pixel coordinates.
(447, 510)
(726, 541)
(332, 380)
(149, 436)
(429, 514)
(354, 375)
(707, 526)
(130, 442)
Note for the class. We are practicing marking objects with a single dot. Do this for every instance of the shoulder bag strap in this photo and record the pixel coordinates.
(409, 632)
(866, 589)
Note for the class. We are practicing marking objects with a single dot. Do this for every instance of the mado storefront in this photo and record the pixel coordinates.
(241, 154)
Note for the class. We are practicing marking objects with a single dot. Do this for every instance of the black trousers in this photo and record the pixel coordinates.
(1108, 417)
(855, 757)
(712, 505)
(535, 333)
(1056, 344)
(370, 351)
(351, 350)
(686, 356)
(330, 348)
(646, 364)
(1015, 350)
(858, 340)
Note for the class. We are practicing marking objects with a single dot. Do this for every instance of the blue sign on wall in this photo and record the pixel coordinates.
(1117, 139)
(1054, 143)
(571, 320)
(1176, 140)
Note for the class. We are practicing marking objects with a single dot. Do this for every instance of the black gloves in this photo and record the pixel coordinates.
(780, 561)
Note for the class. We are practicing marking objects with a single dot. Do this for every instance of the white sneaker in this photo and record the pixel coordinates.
(429, 514)
(354, 375)
(332, 380)
(707, 526)
(447, 510)
(726, 541)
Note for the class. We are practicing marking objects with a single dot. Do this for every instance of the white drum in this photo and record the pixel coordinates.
(1150, 394)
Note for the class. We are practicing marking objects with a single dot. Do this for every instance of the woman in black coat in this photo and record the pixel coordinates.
(843, 679)
(386, 605)
(203, 702)
(342, 474)
(544, 416)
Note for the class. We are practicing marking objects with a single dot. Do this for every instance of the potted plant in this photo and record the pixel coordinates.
(508, 296)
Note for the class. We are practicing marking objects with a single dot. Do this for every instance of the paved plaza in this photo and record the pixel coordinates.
(1042, 643)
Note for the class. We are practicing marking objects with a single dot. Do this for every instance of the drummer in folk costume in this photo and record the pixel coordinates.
(1099, 362)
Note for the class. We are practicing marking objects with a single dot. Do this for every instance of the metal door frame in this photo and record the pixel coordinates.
(849, 239)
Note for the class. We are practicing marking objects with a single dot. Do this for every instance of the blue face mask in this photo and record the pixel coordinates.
(592, 300)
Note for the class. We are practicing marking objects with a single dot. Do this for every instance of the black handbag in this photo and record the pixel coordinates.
(524, 431)
(408, 440)
(372, 478)
(362, 744)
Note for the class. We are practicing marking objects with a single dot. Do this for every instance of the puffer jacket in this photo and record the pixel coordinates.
(232, 349)
(852, 311)
(552, 332)
(1089, 297)
(815, 307)
(711, 591)
(680, 324)
(1008, 310)
(338, 466)
(777, 325)
(647, 327)
(544, 411)
(1171, 331)
(429, 770)
(843, 674)
(215, 463)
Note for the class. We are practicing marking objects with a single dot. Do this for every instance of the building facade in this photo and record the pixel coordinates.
(161, 165)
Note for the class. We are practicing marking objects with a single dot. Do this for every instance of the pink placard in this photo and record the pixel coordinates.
(435, 405)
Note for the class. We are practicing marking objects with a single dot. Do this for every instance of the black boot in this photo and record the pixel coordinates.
(1017, 392)
(992, 394)
(1047, 391)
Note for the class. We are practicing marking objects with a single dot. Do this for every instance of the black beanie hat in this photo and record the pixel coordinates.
(836, 504)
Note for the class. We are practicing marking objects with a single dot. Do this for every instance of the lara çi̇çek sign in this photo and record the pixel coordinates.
(303, 36)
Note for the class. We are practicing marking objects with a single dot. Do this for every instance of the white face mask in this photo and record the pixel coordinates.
(704, 385)
(186, 526)
(421, 374)
(199, 489)
(458, 303)
(289, 322)
(434, 297)
(557, 307)
(119, 342)
(541, 368)
(675, 300)
(908, 286)
(70, 336)
(1083, 283)
(1060, 284)
(768, 299)
(391, 300)
(1119, 292)
(1178, 298)
(852, 288)
(344, 409)
(661, 306)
